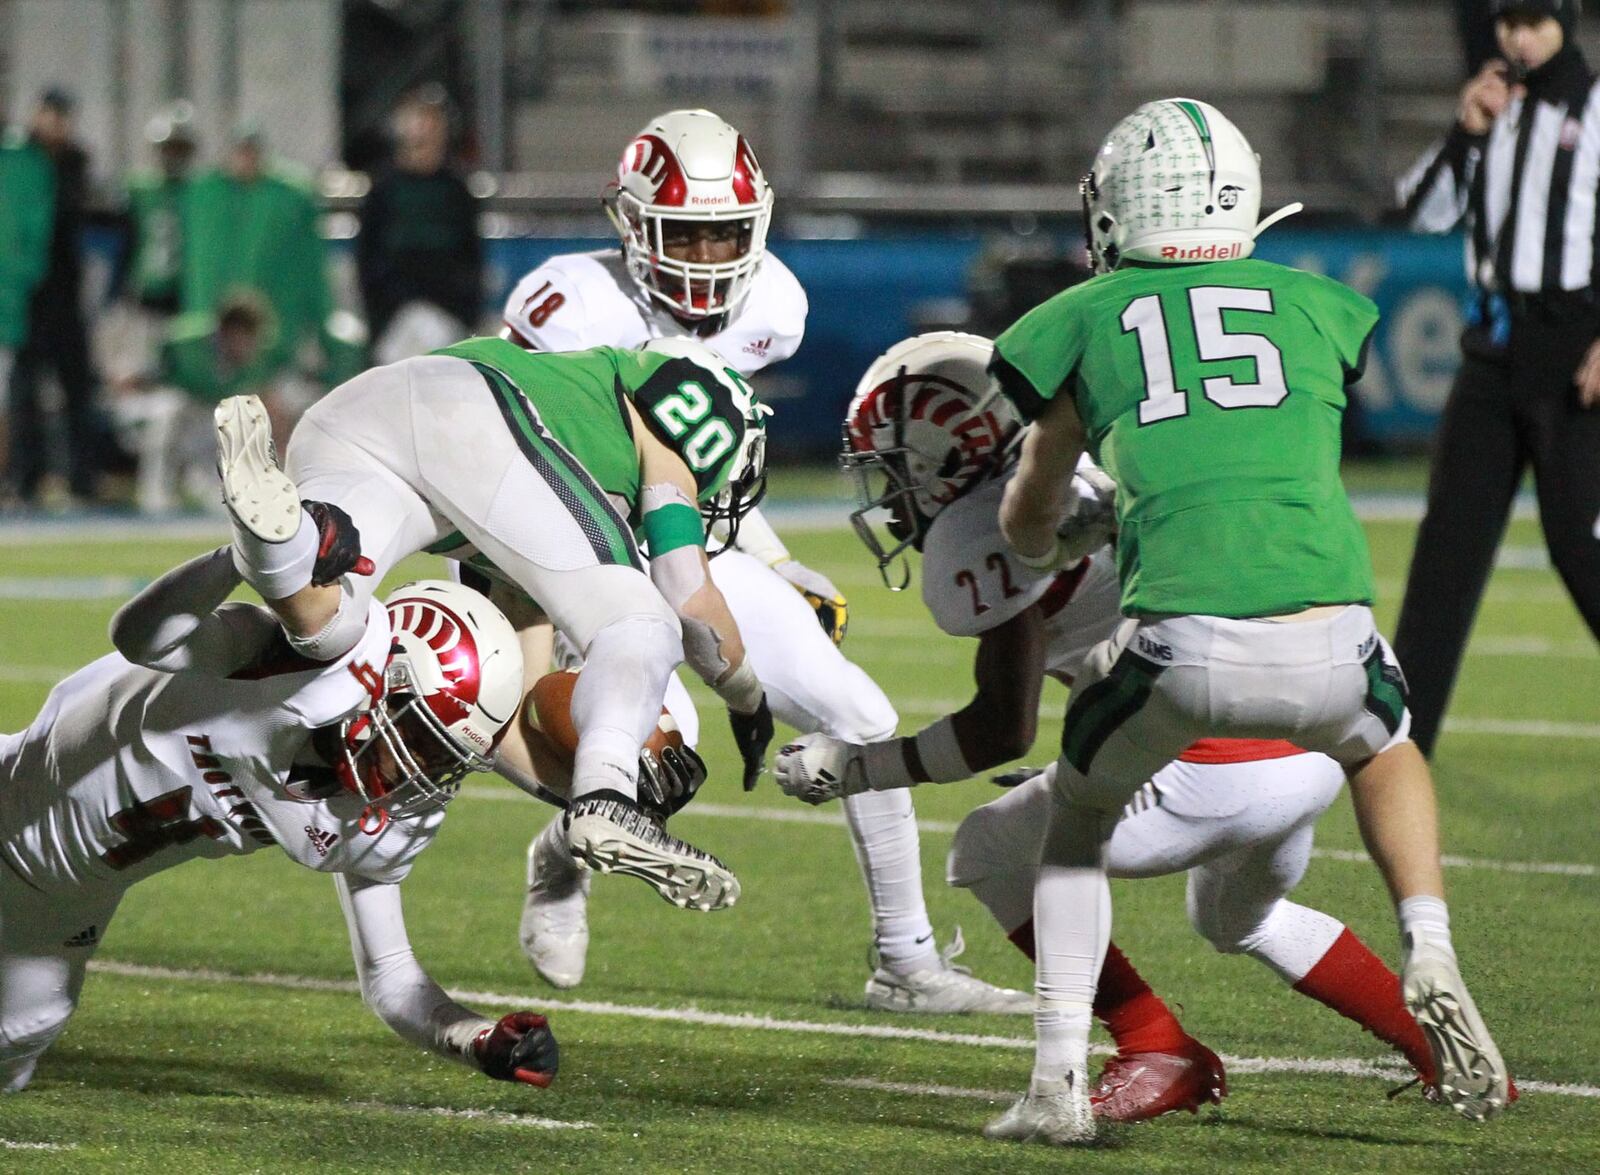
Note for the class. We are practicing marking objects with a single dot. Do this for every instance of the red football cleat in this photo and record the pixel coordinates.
(1135, 1087)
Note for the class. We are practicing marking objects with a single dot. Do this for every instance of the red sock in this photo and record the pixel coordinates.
(1353, 981)
(1134, 1015)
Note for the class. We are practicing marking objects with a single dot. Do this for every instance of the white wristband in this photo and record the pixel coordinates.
(1049, 561)
(740, 689)
(885, 765)
(940, 752)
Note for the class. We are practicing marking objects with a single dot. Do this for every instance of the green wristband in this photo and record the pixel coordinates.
(666, 528)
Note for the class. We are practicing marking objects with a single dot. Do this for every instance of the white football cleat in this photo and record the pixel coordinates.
(1472, 1077)
(944, 987)
(555, 913)
(610, 832)
(256, 491)
(1053, 1112)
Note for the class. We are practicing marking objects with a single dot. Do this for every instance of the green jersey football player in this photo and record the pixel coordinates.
(1211, 386)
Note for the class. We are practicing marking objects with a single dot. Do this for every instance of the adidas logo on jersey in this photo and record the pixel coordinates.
(87, 937)
(321, 841)
(758, 347)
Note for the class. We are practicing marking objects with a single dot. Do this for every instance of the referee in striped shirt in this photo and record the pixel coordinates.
(1522, 168)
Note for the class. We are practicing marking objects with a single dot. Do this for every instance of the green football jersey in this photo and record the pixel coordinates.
(576, 400)
(1213, 394)
(578, 396)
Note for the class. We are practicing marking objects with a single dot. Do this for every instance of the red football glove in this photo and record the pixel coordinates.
(520, 1047)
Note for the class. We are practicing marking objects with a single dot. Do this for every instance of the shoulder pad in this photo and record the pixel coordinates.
(971, 580)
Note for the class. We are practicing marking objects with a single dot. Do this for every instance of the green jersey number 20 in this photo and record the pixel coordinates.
(1163, 399)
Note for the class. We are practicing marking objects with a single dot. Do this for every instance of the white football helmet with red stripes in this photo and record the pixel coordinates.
(689, 165)
(922, 429)
(451, 688)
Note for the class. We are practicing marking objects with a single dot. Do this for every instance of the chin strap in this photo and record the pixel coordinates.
(1283, 213)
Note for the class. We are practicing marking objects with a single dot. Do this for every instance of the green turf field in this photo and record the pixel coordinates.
(221, 1032)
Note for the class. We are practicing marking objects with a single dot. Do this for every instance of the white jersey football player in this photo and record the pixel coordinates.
(692, 208)
(205, 735)
(932, 453)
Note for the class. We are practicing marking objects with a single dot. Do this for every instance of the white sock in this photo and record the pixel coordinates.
(276, 570)
(1425, 919)
(1061, 1040)
(883, 829)
(1071, 929)
(607, 759)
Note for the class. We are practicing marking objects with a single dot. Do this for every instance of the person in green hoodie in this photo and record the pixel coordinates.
(251, 224)
(27, 215)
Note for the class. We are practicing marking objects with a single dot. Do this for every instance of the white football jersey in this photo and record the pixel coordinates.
(127, 771)
(972, 582)
(580, 300)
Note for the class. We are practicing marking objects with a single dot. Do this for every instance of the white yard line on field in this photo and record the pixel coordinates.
(493, 1117)
(12, 1145)
(800, 814)
(1335, 1066)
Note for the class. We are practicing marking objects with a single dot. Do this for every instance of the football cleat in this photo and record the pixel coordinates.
(943, 987)
(1053, 1112)
(1472, 1077)
(256, 491)
(555, 912)
(1135, 1087)
(608, 831)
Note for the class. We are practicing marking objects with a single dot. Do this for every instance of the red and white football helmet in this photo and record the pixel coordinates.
(689, 165)
(924, 421)
(451, 688)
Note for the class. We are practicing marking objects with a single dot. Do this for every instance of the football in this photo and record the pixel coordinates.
(550, 713)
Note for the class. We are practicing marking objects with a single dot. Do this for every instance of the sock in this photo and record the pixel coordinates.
(607, 759)
(1072, 926)
(1353, 981)
(276, 570)
(1062, 1040)
(1425, 919)
(1138, 1020)
(883, 829)
(1135, 1016)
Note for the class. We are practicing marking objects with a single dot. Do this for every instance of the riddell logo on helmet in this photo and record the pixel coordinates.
(711, 199)
(1201, 252)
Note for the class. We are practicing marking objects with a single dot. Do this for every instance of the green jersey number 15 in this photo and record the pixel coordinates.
(1163, 399)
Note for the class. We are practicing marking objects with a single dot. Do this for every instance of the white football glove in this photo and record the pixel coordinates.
(826, 601)
(817, 768)
(1093, 519)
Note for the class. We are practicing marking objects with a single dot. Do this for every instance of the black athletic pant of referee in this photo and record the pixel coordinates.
(1507, 411)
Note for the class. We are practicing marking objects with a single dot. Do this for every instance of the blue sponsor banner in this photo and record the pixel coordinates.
(867, 294)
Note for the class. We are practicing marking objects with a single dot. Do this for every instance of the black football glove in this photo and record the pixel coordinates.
(338, 545)
(752, 733)
(669, 782)
(520, 1047)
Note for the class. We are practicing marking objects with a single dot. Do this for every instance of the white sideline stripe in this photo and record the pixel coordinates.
(12, 1145)
(494, 1117)
(744, 1020)
(1343, 1066)
(803, 815)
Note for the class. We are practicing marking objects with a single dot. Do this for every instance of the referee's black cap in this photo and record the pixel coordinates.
(1565, 11)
